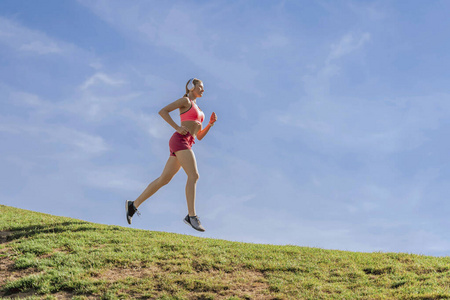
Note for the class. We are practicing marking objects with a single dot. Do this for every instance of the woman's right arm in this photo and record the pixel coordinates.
(164, 113)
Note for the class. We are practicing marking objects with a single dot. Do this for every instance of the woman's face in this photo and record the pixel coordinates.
(198, 89)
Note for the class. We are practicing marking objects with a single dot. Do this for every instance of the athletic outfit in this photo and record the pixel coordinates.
(182, 142)
(178, 142)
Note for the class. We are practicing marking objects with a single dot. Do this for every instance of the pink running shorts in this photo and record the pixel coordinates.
(180, 142)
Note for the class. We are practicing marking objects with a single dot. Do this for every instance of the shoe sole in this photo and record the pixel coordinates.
(126, 210)
(192, 226)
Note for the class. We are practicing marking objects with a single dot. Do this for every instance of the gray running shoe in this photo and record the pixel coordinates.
(130, 210)
(194, 222)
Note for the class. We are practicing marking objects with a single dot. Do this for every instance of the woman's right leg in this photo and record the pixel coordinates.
(171, 168)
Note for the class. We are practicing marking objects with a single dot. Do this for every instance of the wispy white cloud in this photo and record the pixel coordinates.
(79, 141)
(348, 44)
(40, 47)
(111, 178)
(101, 78)
(27, 40)
(101, 96)
(29, 102)
(370, 125)
(37, 128)
(85, 142)
(150, 123)
(369, 11)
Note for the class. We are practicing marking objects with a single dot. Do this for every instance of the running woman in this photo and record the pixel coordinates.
(181, 154)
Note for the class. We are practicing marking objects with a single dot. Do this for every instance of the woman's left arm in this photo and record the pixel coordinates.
(201, 134)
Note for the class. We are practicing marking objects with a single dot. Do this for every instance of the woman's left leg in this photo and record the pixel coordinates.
(187, 160)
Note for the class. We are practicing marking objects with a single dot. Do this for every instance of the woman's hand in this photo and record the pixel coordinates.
(182, 130)
(213, 118)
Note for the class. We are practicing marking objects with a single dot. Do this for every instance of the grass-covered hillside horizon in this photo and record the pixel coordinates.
(49, 257)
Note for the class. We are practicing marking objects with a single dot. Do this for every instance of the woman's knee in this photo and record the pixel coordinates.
(163, 180)
(194, 176)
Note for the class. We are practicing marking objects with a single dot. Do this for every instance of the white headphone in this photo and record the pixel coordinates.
(190, 84)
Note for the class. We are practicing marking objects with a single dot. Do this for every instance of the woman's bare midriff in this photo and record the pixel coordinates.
(192, 126)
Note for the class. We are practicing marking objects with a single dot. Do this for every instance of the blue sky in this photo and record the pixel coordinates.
(332, 130)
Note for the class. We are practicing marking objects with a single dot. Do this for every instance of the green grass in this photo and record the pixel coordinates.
(48, 257)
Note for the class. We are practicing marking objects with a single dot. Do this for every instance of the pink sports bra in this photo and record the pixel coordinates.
(193, 114)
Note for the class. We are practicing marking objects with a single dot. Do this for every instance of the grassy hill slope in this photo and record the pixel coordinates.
(49, 257)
